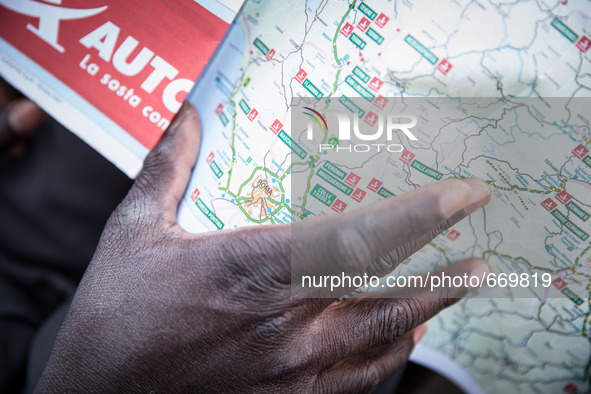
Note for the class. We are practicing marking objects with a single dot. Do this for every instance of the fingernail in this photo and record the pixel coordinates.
(419, 332)
(480, 270)
(178, 118)
(480, 194)
(454, 197)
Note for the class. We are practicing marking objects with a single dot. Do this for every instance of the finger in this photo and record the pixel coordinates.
(17, 120)
(365, 371)
(349, 327)
(388, 262)
(353, 243)
(8, 93)
(164, 177)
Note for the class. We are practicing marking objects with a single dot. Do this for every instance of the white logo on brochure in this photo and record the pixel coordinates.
(49, 17)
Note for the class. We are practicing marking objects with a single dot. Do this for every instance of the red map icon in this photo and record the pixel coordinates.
(338, 206)
(276, 126)
(453, 235)
(301, 75)
(352, 179)
(358, 195)
(407, 157)
(370, 118)
(382, 20)
(363, 24)
(444, 66)
(580, 151)
(549, 204)
(195, 195)
(375, 84)
(347, 29)
(374, 185)
(559, 283)
(380, 102)
(563, 197)
(583, 44)
(253, 114)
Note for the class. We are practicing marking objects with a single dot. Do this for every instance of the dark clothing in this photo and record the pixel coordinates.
(54, 202)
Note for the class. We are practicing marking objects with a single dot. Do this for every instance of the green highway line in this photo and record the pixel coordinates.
(334, 47)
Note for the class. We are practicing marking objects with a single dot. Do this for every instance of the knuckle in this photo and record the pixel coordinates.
(143, 185)
(386, 330)
(387, 263)
(422, 213)
(132, 217)
(403, 314)
(260, 255)
(447, 296)
(157, 160)
(371, 378)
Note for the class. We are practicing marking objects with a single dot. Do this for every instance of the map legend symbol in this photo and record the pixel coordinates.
(219, 109)
(583, 44)
(276, 126)
(301, 75)
(407, 157)
(370, 118)
(358, 195)
(444, 66)
(347, 29)
(453, 235)
(195, 195)
(380, 102)
(209, 158)
(253, 114)
(374, 185)
(563, 197)
(352, 179)
(375, 84)
(338, 206)
(382, 20)
(549, 204)
(559, 283)
(363, 24)
(580, 151)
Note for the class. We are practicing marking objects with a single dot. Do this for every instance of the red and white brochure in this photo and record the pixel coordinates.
(113, 72)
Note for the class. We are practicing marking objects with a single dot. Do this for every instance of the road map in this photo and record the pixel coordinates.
(501, 92)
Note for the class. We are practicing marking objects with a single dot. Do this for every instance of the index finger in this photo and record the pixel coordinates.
(351, 243)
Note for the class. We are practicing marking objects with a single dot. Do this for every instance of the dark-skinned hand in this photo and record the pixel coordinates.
(163, 310)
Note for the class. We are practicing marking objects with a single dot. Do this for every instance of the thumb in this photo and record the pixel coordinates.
(162, 181)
